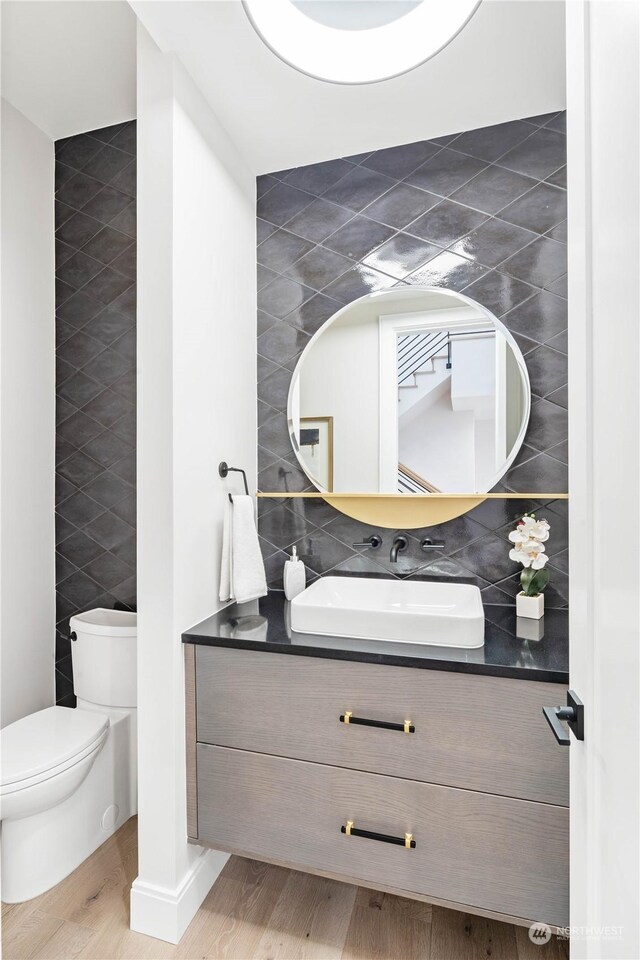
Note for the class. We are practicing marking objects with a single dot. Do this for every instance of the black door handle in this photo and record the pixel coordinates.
(572, 714)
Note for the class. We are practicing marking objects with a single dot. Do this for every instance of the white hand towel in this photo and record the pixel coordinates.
(242, 576)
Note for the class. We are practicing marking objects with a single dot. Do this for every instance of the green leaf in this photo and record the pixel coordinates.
(534, 582)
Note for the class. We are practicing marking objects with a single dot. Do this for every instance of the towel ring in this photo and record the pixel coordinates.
(224, 470)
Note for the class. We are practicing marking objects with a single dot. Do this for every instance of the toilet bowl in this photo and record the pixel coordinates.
(68, 776)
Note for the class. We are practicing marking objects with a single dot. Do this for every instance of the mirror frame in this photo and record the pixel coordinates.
(387, 510)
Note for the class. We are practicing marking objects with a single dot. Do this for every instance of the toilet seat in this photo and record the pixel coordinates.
(45, 744)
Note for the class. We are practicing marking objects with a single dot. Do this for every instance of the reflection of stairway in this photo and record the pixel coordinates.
(410, 482)
(416, 350)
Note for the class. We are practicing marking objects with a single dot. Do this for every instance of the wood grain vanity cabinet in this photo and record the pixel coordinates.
(461, 798)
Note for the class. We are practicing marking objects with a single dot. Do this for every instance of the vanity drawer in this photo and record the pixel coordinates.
(489, 852)
(480, 733)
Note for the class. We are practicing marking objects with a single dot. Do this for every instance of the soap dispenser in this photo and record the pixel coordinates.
(295, 576)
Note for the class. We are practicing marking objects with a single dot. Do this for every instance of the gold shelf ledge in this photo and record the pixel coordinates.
(419, 496)
(409, 511)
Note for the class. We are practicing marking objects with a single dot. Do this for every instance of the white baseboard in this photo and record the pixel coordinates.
(166, 913)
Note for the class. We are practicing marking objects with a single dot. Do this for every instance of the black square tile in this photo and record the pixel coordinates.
(318, 221)
(539, 263)
(107, 285)
(77, 151)
(79, 509)
(357, 282)
(80, 589)
(558, 178)
(106, 448)
(78, 270)
(538, 156)
(548, 425)
(78, 191)
(125, 138)
(109, 530)
(281, 342)
(274, 389)
(489, 556)
(493, 189)
(78, 230)
(400, 205)
(445, 172)
(126, 509)
(493, 242)
(106, 245)
(489, 143)
(79, 348)
(106, 408)
(358, 188)
(400, 255)
(106, 164)
(79, 308)
(283, 295)
(107, 489)
(316, 178)
(542, 473)
(282, 527)
(498, 292)
(321, 553)
(281, 203)
(540, 318)
(318, 268)
(399, 162)
(107, 367)
(78, 429)
(125, 221)
(106, 204)
(127, 262)
(79, 390)
(446, 222)
(447, 270)
(540, 209)
(79, 469)
(126, 180)
(282, 249)
(108, 570)
(79, 549)
(312, 314)
(358, 237)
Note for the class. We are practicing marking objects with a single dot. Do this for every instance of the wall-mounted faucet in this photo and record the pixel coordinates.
(374, 542)
(428, 544)
(400, 544)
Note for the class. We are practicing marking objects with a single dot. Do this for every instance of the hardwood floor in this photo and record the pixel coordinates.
(254, 912)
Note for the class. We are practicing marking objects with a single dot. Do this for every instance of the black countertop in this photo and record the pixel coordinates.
(511, 647)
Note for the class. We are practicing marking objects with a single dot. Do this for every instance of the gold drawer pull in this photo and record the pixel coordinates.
(351, 831)
(348, 717)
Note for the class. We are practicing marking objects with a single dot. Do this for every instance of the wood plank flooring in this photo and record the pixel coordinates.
(254, 912)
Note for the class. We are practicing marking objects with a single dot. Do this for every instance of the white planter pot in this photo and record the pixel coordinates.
(531, 607)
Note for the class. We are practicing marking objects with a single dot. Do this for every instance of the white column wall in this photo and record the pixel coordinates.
(196, 406)
(603, 141)
(27, 429)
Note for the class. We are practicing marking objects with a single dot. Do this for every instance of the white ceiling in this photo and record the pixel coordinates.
(508, 62)
(69, 66)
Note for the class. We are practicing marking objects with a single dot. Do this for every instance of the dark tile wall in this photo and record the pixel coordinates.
(482, 212)
(95, 210)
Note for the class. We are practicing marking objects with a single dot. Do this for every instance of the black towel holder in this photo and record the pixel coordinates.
(224, 470)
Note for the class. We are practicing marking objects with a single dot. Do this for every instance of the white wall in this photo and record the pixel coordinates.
(27, 400)
(603, 141)
(69, 66)
(196, 406)
(508, 62)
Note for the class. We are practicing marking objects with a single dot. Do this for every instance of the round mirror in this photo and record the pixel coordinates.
(409, 390)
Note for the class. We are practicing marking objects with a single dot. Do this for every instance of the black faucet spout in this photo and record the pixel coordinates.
(400, 544)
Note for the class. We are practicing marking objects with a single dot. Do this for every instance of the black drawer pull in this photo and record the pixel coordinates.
(406, 841)
(406, 727)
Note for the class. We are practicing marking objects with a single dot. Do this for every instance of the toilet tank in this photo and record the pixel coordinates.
(103, 652)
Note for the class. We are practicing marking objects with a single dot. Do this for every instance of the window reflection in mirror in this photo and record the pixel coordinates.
(412, 390)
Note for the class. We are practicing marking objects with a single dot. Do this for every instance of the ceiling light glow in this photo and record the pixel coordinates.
(347, 55)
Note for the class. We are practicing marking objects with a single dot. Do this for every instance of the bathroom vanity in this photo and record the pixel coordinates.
(427, 772)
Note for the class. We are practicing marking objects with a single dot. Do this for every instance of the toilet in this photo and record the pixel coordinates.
(69, 777)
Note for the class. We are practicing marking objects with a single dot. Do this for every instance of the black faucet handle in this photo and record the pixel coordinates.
(374, 542)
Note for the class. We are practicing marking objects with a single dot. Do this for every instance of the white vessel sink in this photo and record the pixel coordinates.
(439, 614)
